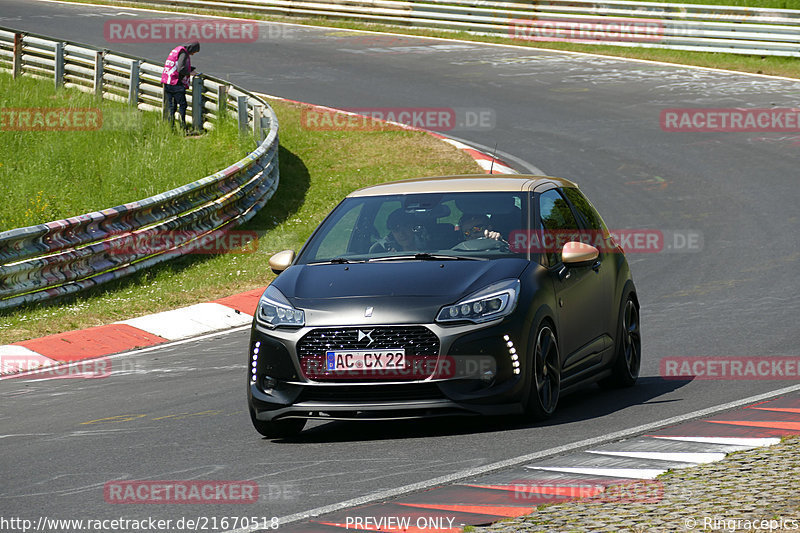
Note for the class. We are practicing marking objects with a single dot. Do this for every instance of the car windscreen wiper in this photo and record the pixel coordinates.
(337, 261)
(424, 256)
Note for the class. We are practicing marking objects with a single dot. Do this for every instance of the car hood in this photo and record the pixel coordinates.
(398, 291)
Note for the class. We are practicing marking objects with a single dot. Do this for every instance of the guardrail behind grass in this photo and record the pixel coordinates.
(66, 256)
(703, 28)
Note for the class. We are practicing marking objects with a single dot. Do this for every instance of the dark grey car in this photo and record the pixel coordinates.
(441, 296)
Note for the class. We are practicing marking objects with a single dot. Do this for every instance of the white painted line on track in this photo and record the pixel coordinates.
(595, 441)
(678, 457)
(624, 473)
(735, 441)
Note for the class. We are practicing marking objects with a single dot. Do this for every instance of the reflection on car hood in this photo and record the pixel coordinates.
(400, 292)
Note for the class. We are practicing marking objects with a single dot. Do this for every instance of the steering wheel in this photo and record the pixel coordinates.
(481, 244)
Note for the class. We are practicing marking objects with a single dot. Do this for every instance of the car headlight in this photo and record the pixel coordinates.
(495, 301)
(275, 310)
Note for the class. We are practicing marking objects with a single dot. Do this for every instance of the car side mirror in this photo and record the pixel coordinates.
(281, 261)
(578, 253)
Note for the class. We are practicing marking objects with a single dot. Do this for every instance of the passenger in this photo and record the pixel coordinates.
(477, 226)
(401, 236)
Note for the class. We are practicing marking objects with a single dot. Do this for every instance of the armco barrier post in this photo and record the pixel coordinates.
(59, 58)
(98, 73)
(257, 112)
(241, 106)
(16, 68)
(222, 101)
(197, 103)
(133, 87)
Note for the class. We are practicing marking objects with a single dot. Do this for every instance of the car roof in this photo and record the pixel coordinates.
(466, 183)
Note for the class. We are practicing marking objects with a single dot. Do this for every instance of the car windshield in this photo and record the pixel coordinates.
(436, 226)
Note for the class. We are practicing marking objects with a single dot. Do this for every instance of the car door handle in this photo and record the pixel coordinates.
(596, 265)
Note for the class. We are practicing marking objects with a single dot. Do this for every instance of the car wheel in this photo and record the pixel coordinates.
(628, 357)
(546, 374)
(278, 429)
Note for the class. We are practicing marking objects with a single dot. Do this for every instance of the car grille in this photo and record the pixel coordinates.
(421, 347)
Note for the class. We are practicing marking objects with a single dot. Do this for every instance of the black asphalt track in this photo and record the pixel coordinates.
(179, 412)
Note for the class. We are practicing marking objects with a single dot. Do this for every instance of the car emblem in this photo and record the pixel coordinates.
(366, 335)
(368, 311)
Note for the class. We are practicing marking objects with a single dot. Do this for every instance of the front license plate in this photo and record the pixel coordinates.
(355, 360)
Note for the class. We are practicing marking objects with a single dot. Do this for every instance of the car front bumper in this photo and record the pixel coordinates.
(278, 387)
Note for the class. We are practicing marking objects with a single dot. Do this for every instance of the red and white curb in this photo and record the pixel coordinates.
(46, 352)
(489, 163)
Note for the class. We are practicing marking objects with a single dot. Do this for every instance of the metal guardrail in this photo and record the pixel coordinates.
(739, 30)
(66, 256)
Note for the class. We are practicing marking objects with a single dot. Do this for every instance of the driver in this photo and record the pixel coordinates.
(477, 226)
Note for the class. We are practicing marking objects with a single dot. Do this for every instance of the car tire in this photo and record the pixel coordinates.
(278, 429)
(628, 352)
(545, 366)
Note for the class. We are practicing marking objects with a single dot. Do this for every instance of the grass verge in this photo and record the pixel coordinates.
(314, 178)
(55, 174)
(771, 65)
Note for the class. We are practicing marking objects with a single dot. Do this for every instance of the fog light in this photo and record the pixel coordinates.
(268, 383)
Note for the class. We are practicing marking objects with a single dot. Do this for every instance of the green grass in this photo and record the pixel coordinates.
(314, 177)
(50, 175)
(772, 65)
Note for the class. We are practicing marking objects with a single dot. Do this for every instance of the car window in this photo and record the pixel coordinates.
(557, 222)
(591, 218)
(338, 234)
(448, 223)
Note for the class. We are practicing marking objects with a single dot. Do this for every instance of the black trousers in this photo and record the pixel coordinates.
(176, 100)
